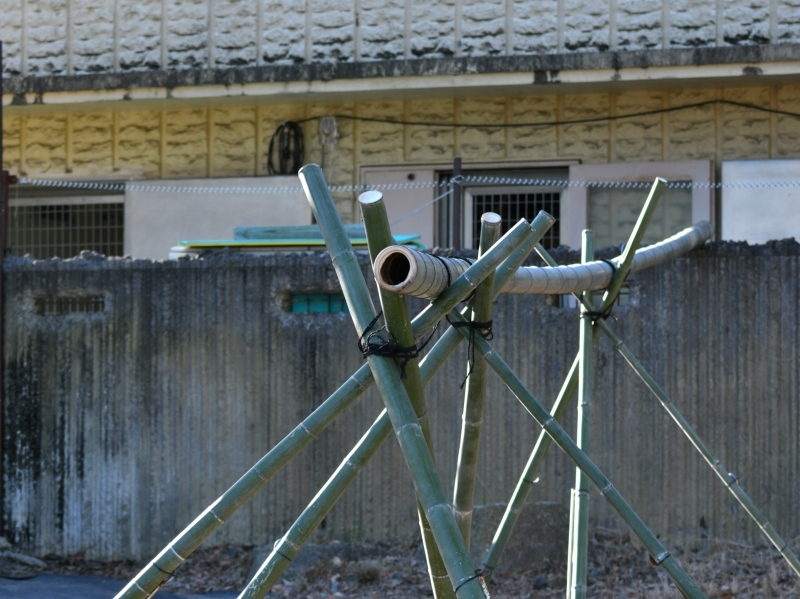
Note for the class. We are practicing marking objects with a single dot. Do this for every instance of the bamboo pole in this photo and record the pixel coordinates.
(465, 581)
(398, 323)
(309, 520)
(528, 476)
(657, 551)
(576, 585)
(173, 555)
(730, 480)
(404, 270)
(472, 417)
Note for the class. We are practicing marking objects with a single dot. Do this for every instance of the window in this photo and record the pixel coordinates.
(611, 212)
(48, 221)
(511, 204)
(317, 303)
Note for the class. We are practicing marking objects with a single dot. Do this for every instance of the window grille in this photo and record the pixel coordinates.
(513, 206)
(64, 230)
(59, 306)
(317, 303)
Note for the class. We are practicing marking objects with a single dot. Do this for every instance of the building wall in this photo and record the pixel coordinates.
(234, 140)
(64, 37)
(121, 426)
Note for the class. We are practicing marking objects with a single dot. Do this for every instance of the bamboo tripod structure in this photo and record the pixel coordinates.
(401, 378)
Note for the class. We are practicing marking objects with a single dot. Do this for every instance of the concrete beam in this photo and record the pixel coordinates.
(462, 76)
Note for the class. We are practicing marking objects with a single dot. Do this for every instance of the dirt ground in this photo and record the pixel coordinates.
(619, 567)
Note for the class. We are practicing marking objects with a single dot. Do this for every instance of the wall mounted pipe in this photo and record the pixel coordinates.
(404, 270)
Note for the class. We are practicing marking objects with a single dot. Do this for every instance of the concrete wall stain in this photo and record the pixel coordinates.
(122, 426)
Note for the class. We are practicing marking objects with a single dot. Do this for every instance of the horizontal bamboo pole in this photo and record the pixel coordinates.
(173, 555)
(408, 271)
(658, 552)
(404, 421)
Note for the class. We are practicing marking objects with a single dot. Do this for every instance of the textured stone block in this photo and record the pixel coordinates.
(186, 146)
(431, 144)
(587, 141)
(92, 140)
(638, 138)
(745, 132)
(139, 145)
(532, 143)
(481, 143)
(234, 142)
(45, 144)
(692, 132)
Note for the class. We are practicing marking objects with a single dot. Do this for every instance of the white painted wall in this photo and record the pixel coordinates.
(760, 214)
(157, 220)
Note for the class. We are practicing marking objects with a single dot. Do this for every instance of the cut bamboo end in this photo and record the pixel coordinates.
(370, 197)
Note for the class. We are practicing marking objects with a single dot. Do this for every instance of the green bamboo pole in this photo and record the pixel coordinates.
(404, 421)
(624, 264)
(730, 480)
(286, 549)
(395, 314)
(528, 476)
(173, 555)
(472, 417)
(658, 552)
(576, 586)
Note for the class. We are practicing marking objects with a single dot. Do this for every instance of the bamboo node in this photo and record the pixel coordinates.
(178, 555)
(659, 559)
(478, 575)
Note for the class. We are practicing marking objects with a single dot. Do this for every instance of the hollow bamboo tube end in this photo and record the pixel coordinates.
(370, 197)
(491, 218)
(395, 268)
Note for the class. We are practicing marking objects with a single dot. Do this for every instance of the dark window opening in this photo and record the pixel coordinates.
(59, 306)
(513, 206)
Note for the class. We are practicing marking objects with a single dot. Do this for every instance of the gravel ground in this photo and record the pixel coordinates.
(619, 567)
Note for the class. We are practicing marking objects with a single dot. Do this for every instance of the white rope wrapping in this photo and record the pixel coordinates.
(426, 277)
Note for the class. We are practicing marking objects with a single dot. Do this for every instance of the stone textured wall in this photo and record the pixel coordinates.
(233, 141)
(121, 426)
(79, 36)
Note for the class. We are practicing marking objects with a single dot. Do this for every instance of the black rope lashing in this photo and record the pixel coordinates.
(170, 575)
(373, 344)
(595, 316)
(478, 574)
(484, 329)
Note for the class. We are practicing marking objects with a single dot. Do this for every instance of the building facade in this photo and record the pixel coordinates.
(575, 91)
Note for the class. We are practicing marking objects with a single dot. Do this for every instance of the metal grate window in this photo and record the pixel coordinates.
(59, 306)
(513, 206)
(64, 230)
(317, 303)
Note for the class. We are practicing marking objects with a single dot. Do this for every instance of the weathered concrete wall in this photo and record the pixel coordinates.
(77, 36)
(121, 426)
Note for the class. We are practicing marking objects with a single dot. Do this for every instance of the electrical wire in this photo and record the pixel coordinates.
(556, 123)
